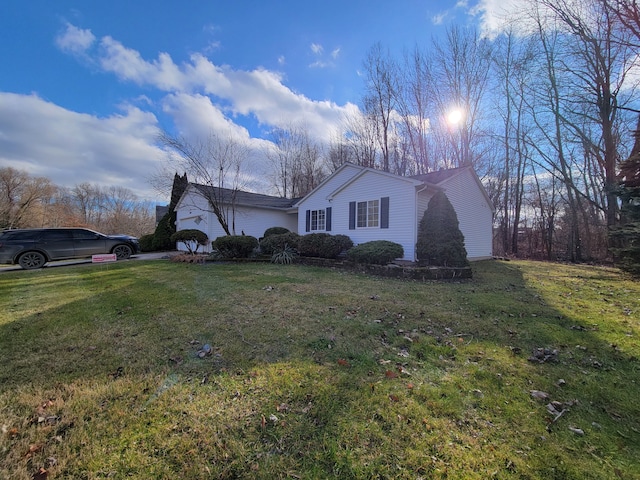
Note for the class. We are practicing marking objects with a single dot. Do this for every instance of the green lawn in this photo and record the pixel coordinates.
(318, 373)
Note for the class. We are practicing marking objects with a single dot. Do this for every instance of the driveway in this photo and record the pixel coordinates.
(81, 261)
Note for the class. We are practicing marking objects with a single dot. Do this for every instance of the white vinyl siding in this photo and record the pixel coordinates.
(475, 214)
(193, 212)
(401, 208)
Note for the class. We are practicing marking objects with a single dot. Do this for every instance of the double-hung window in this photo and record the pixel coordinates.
(368, 214)
(318, 220)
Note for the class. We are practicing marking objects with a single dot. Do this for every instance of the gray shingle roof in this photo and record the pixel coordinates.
(248, 199)
(438, 176)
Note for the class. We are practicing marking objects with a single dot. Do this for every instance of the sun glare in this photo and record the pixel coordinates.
(455, 116)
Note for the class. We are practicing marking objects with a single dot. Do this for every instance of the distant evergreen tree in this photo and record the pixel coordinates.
(625, 237)
(180, 184)
(167, 224)
(440, 241)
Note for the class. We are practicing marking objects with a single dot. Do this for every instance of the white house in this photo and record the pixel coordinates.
(249, 213)
(362, 203)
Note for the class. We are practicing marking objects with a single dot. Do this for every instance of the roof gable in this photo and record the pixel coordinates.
(373, 171)
(440, 177)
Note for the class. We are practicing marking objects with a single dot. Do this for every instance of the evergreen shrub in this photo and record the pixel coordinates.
(275, 243)
(275, 231)
(146, 242)
(235, 246)
(323, 245)
(377, 252)
(162, 236)
(440, 241)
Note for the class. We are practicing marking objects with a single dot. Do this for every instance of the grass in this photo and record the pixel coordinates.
(316, 373)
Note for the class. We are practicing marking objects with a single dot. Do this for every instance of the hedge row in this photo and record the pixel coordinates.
(319, 245)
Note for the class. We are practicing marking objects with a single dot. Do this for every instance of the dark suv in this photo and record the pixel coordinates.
(32, 248)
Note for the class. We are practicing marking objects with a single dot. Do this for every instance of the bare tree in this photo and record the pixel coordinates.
(415, 104)
(628, 12)
(296, 160)
(381, 98)
(361, 139)
(90, 202)
(512, 61)
(123, 212)
(338, 153)
(21, 197)
(215, 163)
(461, 62)
(597, 62)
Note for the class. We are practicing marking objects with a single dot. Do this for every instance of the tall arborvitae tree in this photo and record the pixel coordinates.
(440, 241)
(167, 225)
(626, 236)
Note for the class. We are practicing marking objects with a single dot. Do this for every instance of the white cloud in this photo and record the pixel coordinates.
(281, 60)
(128, 64)
(258, 92)
(439, 18)
(121, 149)
(75, 40)
(323, 61)
(497, 16)
(69, 147)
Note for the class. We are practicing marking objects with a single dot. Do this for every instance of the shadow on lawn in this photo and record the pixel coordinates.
(106, 334)
(104, 330)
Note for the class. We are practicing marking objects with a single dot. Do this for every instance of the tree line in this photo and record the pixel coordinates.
(28, 201)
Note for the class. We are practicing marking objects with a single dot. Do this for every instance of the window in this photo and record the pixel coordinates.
(85, 235)
(56, 235)
(368, 213)
(318, 220)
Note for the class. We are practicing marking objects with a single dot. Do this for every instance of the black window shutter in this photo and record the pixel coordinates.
(384, 212)
(352, 215)
(328, 219)
(308, 220)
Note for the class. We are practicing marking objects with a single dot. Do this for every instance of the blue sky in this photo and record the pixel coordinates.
(85, 86)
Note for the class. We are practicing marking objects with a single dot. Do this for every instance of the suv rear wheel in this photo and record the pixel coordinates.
(122, 251)
(32, 260)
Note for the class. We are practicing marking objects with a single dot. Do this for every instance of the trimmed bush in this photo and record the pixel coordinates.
(146, 242)
(235, 246)
(344, 242)
(275, 243)
(323, 245)
(275, 231)
(440, 241)
(190, 238)
(378, 252)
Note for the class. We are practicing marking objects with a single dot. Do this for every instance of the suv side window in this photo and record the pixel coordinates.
(56, 235)
(81, 234)
(20, 235)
